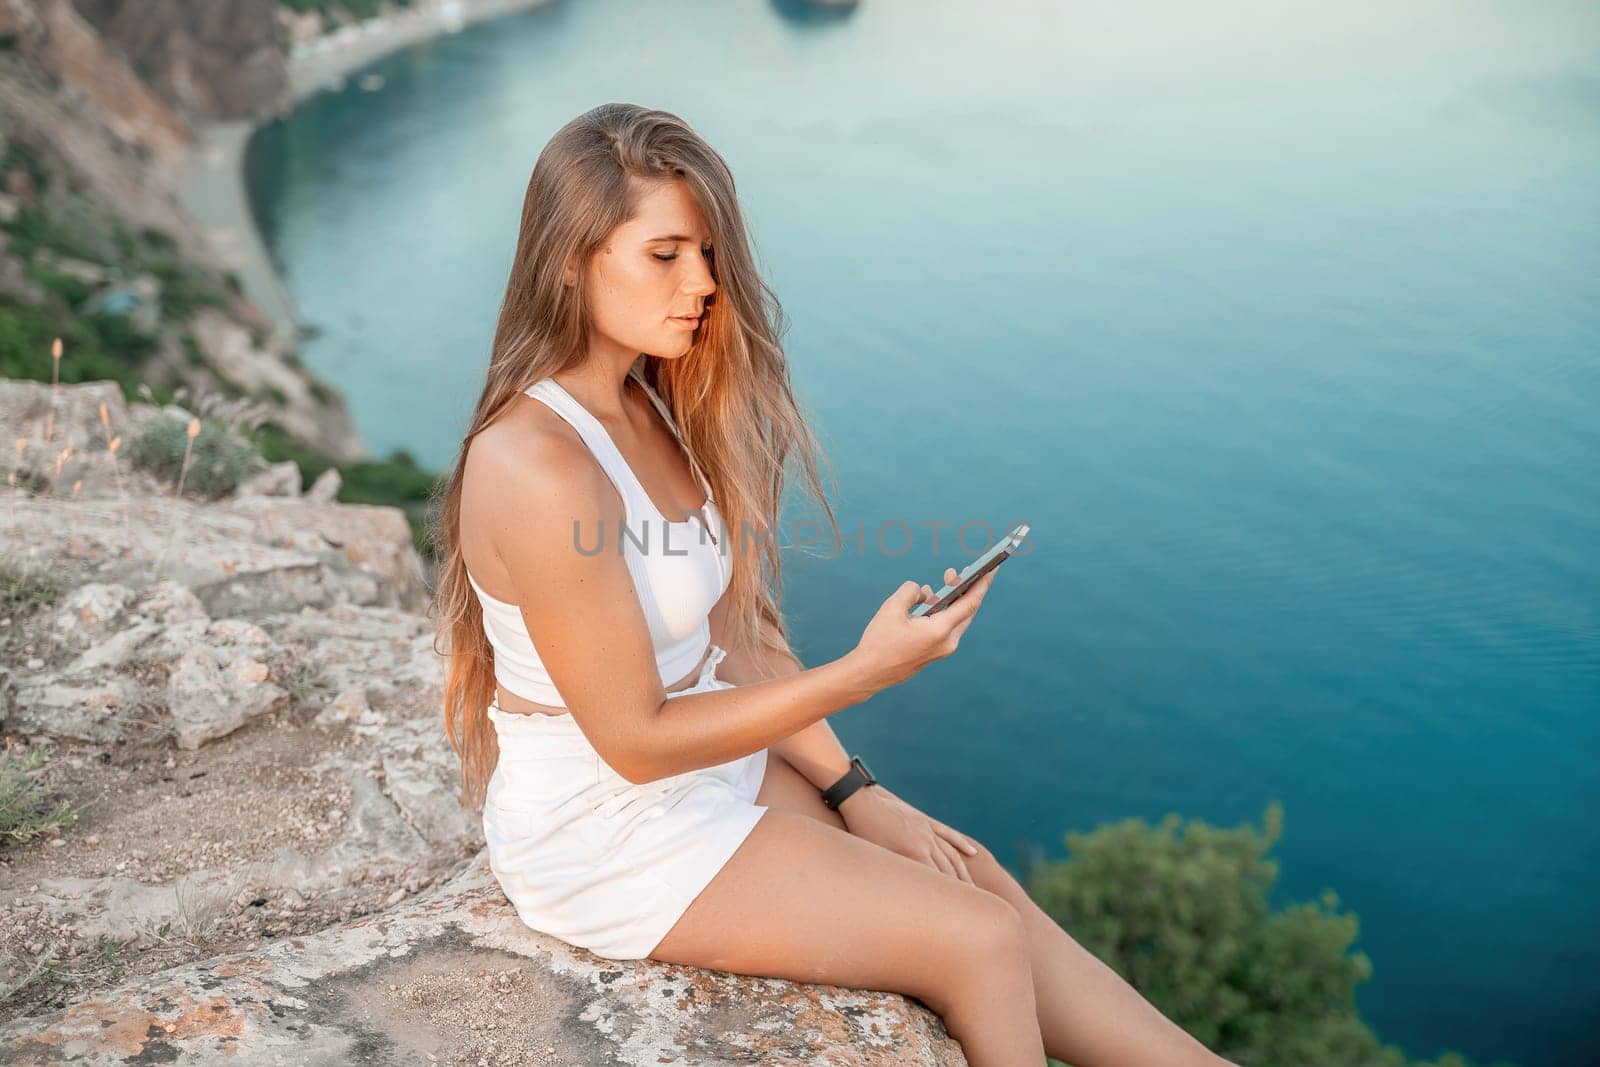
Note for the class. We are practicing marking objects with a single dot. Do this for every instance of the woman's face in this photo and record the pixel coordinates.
(651, 270)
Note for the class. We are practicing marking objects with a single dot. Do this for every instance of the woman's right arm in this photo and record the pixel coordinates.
(711, 727)
(555, 520)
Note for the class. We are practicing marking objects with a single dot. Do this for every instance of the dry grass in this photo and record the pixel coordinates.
(27, 809)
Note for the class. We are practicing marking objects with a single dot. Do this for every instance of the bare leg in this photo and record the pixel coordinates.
(1088, 1015)
(813, 903)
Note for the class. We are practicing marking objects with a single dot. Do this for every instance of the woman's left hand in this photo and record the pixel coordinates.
(881, 817)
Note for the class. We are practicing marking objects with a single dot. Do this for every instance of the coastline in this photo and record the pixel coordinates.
(210, 186)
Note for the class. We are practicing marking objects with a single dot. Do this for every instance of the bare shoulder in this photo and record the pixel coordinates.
(526, 476)
(522, 450)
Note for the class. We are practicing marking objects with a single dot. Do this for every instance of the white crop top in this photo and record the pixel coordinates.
(678, 568)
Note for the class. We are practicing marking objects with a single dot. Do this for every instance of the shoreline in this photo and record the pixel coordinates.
(210, 185)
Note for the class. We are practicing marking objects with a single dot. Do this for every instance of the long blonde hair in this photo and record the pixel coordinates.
(729, 395)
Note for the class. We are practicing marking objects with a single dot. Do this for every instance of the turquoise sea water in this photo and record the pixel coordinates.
(1280, 324)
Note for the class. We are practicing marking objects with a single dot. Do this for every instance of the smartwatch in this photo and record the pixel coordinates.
(853, 779)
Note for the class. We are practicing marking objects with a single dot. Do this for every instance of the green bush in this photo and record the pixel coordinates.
(159, 240)
(115, 333)
(397, 479)
(27, 809)
(185, 288)
(70, 290)
(26, 584)
(191, 350)
(1180, 911)
(219, 460)
(96, 347)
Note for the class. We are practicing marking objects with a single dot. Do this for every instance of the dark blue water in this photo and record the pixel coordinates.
(1281, 327)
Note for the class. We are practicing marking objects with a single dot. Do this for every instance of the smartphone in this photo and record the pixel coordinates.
(985, 563)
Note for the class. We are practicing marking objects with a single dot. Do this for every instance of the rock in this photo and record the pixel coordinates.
(25, 412)
(183, 653)
(375, 539)
(377, 844)
(100, 711)
(456, 974)
(219, 680)
(218, 62)
(278, 480)
(325, 490)
(231, 555)
(375, 847)
(156, 649)
(14, 280)
(77, 269)
(87, 612)
(92, 73)
(425, 791)
(168, 603)
(123, 908)
(371, 657)
(99, 613)
(306, 413)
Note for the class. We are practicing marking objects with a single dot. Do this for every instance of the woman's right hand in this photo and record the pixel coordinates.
(895, 645)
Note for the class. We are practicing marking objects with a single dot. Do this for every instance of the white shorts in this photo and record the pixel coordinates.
(595, 860)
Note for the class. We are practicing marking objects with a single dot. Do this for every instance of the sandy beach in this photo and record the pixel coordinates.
(212, 186)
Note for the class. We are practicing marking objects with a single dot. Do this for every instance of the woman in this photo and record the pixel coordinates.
(649, 755)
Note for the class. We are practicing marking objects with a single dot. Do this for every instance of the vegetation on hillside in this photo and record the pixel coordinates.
(356, 9)
(64, 239)
(1180, 911)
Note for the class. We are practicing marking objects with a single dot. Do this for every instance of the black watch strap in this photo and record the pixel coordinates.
(853, 779)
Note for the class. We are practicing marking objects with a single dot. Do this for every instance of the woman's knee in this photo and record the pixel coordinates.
(992, 935)
(985, 945)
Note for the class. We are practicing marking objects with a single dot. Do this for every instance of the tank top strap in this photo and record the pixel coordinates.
(666, 416)
(595, 436)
